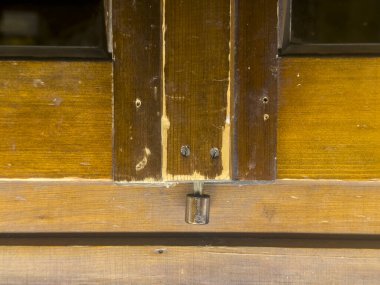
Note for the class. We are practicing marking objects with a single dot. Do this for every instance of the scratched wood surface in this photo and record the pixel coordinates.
(55, 119)
(329, 118)
(196, 88)
(282, 207)
(187, 265)
(255, 90)
(137, 90)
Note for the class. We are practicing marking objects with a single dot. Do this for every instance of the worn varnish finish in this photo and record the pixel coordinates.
(196, 92)
(137, 90)
(55, 119)
(329, 118)
(255, 89)
(282, 207)
(187, 265)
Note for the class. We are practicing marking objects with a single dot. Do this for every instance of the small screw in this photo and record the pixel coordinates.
(185, 151)
(214, 152)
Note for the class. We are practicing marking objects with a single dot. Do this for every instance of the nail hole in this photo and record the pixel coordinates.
(265, 100)
(160, 251)
(138, 103)
(266, 117)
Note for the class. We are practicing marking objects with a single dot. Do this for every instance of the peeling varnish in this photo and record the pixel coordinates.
(194, 176)
(165, 123)
(141, 164)
(225, 148)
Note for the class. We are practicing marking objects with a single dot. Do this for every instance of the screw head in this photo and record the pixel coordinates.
(185, 151)
(214, 152)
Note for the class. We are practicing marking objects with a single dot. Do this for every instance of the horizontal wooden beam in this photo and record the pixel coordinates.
(187, 265)
(293, 207)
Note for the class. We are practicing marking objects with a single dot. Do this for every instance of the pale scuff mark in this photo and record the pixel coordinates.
(138, 103)
(57, 101)
(141, 165)
(20, 198)
(38, 83)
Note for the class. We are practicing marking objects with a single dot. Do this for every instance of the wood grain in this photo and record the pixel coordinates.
(196, 92)
(187, 265)
(283, 207)
(55, 119)
(137, 90)
(328, 118)
(255, 90)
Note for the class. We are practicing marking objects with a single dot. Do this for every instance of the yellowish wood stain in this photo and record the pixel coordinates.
(329, 123)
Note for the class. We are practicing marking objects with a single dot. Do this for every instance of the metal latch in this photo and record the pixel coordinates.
(197, 206)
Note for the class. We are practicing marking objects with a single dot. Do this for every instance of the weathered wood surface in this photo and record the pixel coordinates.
(255, 89)
(55, 119)
(283, 207)
(137, 90)
(196, 54)
(329, 118)
(187, 265)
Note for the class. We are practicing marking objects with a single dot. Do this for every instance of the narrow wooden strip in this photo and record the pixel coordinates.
(282, 207)
(196, 67)
(329, 118)
(137, 90)
(255, 89)
(55, 119)
(187, 265)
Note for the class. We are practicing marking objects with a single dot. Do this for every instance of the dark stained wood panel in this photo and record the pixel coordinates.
(55, 119)
(329, 118)
(255, 89)
(137, 90)
(222, 265)
(288, 207)
(196, 93)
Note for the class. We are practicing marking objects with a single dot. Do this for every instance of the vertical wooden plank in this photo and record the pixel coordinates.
(137, 89)
(196, 88)
(255, 89)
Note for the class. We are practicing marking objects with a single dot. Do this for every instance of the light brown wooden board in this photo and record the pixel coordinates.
(196, 88)
(187, 265)
(55, 119)
(283, 207)
(329, 118)
(255, 90)
(137, 90)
